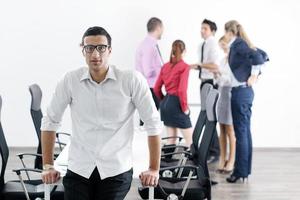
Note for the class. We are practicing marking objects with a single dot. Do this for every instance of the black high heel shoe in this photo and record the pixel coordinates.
(234, 179)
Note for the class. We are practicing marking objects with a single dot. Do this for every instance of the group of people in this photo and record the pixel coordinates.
(103, 100)
(232, 65)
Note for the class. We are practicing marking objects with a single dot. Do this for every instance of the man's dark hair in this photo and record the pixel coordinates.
(96, 30)
(153, 23)
(212, 25)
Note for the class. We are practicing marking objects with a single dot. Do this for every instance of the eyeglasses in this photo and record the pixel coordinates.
(100, 48)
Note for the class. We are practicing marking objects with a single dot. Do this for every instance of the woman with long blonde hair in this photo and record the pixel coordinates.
(245, 61)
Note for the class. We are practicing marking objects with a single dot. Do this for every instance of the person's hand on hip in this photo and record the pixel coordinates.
(252, 80)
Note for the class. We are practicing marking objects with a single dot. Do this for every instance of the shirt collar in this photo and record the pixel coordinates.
(151, 38)
(231, 41)
(209, 38)
(110, 74)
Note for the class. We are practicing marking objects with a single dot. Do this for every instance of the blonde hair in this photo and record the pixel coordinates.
(237, 29)
(223, 39)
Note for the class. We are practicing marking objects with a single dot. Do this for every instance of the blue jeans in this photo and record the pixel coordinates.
(241, 103)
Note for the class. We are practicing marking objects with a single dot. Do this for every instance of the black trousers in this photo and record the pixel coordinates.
(214, 149)
(156, 101)
(112, 188)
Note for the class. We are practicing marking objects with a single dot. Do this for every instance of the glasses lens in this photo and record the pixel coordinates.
(89, 48)
(101, 48)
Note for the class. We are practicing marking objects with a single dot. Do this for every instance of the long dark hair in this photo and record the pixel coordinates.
(178, 48)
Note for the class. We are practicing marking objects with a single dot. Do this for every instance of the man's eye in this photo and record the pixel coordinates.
(89, 48)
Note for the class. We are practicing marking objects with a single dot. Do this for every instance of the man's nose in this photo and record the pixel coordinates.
(96, 54)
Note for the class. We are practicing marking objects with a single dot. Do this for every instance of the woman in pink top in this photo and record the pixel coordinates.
(174, 108)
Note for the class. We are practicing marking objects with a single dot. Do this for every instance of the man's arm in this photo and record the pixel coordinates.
(48, 141)
(213, 57)
(144, 103)
(150, 177)
(50, 124)
(49, 175)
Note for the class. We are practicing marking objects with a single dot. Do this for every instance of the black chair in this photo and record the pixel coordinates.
(21, 189)
(167, 158)
(37, 115)
(199, 187)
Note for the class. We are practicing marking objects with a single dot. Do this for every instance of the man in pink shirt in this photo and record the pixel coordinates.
(148, 59)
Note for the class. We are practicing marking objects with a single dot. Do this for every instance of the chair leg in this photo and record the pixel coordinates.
(23, 186)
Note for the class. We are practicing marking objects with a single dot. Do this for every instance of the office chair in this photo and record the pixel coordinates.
(37, 115)
(21, 189)
(199, 186)
(167, 157)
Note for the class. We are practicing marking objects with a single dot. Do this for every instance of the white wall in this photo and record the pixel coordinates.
(39, 43)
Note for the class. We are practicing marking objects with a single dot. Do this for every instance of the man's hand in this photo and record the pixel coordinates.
(252, 80)
(50, 176)
(149, 177)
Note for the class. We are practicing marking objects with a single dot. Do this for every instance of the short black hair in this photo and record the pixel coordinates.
(96, 30)
(153, 23)
(212, 25)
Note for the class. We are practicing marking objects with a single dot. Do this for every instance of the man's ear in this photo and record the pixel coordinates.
(81, 46)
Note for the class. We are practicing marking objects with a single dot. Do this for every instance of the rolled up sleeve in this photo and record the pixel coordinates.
(143, 101)
(60, 100)
(215, 54)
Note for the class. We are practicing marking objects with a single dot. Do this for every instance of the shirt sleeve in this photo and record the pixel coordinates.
(253, 55)
(60, 100)
(182, 89)
(143, 101)
(158, 85)
(214, 53)
(256, 70)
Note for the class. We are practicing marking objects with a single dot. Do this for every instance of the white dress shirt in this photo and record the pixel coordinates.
(211, 54)
(224, 79)
(102, 118)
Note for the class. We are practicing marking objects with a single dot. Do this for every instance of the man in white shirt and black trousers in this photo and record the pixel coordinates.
(209, 57)
(102, 102)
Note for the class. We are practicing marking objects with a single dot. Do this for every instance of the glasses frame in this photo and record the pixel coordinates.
(97, 47)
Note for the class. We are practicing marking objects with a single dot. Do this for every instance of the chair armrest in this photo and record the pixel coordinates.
(62, 133)
(179, 167)
(179, 152)
(21, 155)
(175, 146)
(165, 138)
(61, 143)
(18, 171)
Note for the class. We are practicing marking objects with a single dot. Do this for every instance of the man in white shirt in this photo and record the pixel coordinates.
(209, 58)
(102, 101)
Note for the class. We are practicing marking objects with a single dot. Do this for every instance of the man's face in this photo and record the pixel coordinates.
(205, 31)
(96, 58)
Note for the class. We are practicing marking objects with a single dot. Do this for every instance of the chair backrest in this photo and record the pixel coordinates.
(4, 152)
(203, 95)
(202, 115)
(209, 129)
(36, 115)
(35, 108)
